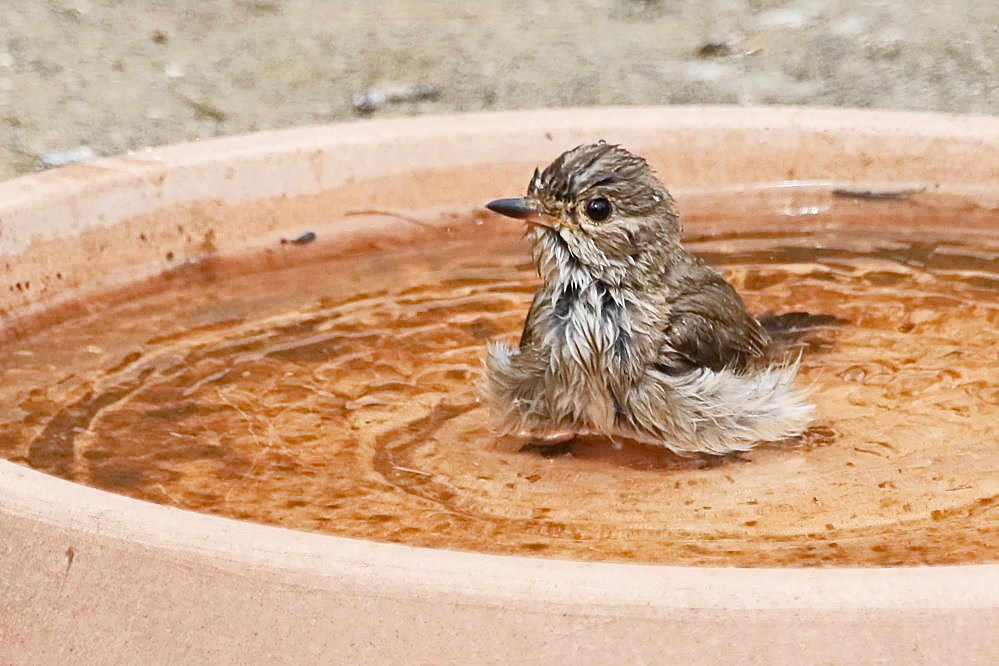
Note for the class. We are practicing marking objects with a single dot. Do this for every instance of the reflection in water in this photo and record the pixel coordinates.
(334, 390)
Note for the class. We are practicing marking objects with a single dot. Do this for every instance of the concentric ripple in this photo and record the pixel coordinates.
(332, 388)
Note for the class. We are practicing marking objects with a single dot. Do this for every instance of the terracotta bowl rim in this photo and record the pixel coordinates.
(273, 552)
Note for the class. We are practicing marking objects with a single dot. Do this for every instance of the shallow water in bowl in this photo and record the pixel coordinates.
(331, 387)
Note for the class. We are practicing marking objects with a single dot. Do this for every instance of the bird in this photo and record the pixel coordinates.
(630, 336)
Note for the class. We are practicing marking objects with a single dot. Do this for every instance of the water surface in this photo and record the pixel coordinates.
(331, 387)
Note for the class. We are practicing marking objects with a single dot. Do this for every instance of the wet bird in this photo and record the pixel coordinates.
(630, 336)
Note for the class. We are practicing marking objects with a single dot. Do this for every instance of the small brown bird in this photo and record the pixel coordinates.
(630, 335)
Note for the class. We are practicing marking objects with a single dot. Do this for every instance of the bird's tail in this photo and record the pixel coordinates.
(725, 411)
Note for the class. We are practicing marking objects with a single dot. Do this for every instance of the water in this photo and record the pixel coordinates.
(332, 388)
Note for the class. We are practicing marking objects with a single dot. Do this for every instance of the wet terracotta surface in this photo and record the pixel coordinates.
(332, 388)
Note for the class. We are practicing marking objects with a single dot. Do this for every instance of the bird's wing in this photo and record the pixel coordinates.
(534, 323)
(708, 326)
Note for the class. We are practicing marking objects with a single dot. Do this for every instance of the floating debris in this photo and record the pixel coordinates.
(372, 99)
(889, 195)
(59, 158)
(304, 239)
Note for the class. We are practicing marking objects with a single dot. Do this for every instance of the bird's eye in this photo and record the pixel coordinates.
(598, 209)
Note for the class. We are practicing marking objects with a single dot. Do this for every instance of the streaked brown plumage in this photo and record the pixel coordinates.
(630, 335)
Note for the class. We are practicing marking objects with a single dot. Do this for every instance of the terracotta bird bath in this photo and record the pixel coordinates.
(240, 425)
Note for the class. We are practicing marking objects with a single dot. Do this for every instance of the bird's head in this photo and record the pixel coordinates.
(600, 209)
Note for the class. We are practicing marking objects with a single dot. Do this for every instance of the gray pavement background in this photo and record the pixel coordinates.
(120, 75)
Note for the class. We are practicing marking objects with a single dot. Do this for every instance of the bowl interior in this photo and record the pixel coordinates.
(302, 348)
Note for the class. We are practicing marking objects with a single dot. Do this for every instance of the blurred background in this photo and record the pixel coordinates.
(96, 77)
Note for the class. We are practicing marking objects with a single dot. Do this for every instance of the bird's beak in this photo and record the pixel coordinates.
(520, 209)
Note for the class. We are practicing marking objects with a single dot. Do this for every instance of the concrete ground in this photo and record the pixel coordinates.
(108, 76)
